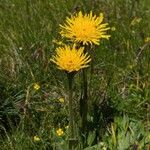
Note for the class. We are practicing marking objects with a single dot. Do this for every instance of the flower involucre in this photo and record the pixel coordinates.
(70, 58)
(86, 29)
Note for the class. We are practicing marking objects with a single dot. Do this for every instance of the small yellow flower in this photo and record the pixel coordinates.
(113, 29)
(85, 28)
(61, 100)
(147, 40)
(36, 86)
(135, 21)
(36, 138)
(60, 132)
(70, 58)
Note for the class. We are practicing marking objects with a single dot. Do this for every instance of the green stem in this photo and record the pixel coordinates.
(71, 112)
(85, 101)
(84, 106)
(72, 139)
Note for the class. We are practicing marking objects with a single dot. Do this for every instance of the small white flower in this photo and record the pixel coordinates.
(20, 48)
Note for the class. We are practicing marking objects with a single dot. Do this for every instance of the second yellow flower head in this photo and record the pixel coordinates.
(71, 59)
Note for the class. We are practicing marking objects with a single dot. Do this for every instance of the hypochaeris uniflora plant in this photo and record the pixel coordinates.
(85, 29)
(82, 30)
(71, 59)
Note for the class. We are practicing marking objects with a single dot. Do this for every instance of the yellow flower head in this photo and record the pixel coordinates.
(36, 138)
(86, 29)
(147, 40)
(60, 132)
(36, 86)
(70, 58)
(61, 100)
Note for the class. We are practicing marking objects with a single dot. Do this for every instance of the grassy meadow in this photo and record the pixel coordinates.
(34, 93)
